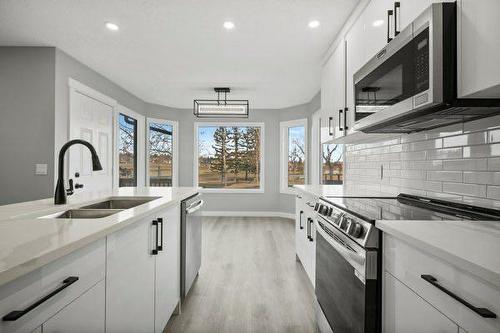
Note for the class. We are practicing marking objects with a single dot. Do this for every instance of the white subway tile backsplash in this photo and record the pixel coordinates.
(488, 178)
(465, 189)
(494, 192)
(460, 162)
(465, 164)
(466, 139)
(445, 176)
(446, 153)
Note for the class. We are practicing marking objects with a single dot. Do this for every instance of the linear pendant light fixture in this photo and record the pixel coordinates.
(223, 108)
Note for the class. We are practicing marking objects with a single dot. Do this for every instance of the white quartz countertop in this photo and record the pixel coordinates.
(473, 246)
(28, 242)
(321, 190)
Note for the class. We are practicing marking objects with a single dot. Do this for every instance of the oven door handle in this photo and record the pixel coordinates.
(355, 260)
(194, 207)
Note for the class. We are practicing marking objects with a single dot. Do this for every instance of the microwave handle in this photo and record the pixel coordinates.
(345, 118)
(389, 14)
(340, 120)
(397, 8)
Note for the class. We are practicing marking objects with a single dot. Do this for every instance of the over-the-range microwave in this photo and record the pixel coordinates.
(411, 84)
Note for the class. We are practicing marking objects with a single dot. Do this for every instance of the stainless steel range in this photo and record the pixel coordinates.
(348, 258)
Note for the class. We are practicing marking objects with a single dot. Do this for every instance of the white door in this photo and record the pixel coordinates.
(168, 268)
(91, 119)
(130, 278)
(84, 314)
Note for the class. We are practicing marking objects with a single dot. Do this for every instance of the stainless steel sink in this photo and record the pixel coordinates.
(120, 203)
(86, 213)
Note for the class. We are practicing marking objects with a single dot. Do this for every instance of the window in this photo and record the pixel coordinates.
(332, 164)
(229, 157)
(293, 153)
(127, 150)
(161, 153)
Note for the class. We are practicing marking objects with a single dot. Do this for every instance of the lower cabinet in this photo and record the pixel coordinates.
(143, 274)
(85, 314)
(406, 312)
(305, 234)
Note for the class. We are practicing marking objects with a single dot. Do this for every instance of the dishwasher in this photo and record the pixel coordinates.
(190, 241)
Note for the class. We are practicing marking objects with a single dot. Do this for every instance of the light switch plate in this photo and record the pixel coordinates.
(40, 169)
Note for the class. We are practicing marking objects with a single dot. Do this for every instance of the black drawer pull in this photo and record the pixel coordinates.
(154, 251)
(15, 315)
(310, 221)
(160, 221)
(330, 129)
(485, 313)
(340, 120)
(300, 220)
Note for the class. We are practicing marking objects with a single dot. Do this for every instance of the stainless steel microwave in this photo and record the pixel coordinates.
(411, 84)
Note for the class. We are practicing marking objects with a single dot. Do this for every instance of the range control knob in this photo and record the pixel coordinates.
(330, 211)
(316, 206)
(343, 223)
(355, 229)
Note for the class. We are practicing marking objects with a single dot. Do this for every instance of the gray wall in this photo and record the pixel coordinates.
(271, 199)
(27, 123)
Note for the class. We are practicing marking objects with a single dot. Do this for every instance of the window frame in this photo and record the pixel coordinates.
(141, 142)
(261, 125)
(175, 148)
(284, 128)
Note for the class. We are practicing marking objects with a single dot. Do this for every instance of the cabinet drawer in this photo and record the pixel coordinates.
(88, 264)
(408, 264)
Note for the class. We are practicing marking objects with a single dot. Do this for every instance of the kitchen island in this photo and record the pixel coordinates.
(113, 273)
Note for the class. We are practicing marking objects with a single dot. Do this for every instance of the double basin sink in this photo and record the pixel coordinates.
(103, 208)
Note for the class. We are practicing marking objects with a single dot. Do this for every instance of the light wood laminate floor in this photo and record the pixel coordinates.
(249, 280)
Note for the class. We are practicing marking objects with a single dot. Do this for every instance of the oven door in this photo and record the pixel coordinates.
(346, 298)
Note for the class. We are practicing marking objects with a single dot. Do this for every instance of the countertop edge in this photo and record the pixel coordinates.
(455, 260)
(43, 259)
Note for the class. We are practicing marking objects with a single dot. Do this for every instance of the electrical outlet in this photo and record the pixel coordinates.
(41, 169)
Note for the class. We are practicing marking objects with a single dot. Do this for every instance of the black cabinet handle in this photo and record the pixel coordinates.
(485, 313)
(154, 251)
(389, 14)
(330, 129)
(160, 221)
(345, 118)
(340, 120)
(300, 220)
(397, 8)
(311, 221)
(307, 228)
(15, 315)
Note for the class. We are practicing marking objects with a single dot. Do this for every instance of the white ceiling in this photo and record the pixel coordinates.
(171, 52)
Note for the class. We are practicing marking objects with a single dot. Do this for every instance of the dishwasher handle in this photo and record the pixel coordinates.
(194, 207)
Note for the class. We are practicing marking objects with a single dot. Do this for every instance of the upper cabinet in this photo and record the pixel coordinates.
(478, 48)
(333, 94)
(378, 21)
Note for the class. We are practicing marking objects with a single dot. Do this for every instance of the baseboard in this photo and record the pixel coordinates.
(249, 214)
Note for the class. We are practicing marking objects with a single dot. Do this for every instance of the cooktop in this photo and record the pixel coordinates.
(410, 207)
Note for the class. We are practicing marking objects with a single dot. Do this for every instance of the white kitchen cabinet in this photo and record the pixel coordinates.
(84, 314)
(413, 266)
(130, 279)
(409, 10)
(143, 273)
(327, 101)
(64, 280)
(355, 59)
(305, 237)
(168, 267)
(406, 312)
(375, 22)
(478, 48)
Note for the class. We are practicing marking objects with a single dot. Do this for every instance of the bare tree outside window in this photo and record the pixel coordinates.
(296, 155)
(160, 154)
(127, 151)
(229, 157)
(332, 166)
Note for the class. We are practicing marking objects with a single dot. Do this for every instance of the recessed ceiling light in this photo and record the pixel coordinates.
(111, 26)
(228, 25)
(313, 24)
(378, 23)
